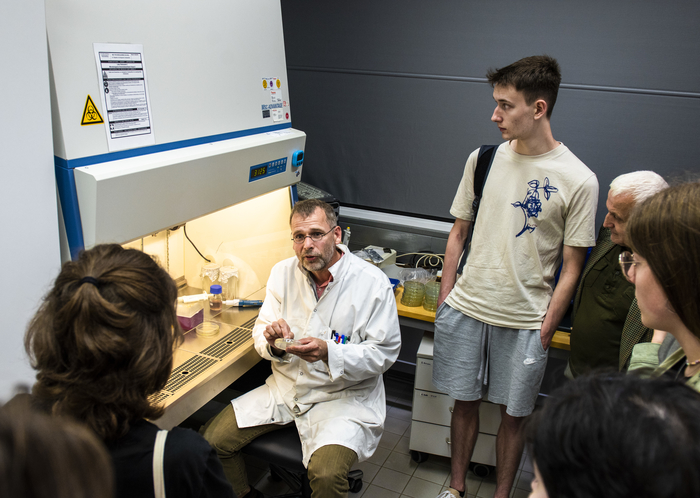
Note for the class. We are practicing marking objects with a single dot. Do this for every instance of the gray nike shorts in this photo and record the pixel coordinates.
(473, 360)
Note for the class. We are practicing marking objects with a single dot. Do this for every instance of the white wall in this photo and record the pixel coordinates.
(29, 252)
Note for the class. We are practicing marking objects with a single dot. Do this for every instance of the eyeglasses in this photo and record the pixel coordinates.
(627, 263)
(315, 236)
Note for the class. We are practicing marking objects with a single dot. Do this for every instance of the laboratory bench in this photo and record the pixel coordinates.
(205, 366)
(419, 318)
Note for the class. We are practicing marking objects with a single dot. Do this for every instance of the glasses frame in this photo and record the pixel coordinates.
(627, 261)
(319, 239)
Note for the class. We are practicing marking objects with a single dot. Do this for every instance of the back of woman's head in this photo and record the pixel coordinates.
(618, 436)
(42, 456)
(103, 338)
(665, 230)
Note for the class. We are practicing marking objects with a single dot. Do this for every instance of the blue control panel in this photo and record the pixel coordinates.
(267, 169)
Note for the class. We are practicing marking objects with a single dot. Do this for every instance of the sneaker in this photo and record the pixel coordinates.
(449, 493)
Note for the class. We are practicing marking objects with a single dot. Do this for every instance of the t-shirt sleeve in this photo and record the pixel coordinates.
(579, 230)
(462, 203)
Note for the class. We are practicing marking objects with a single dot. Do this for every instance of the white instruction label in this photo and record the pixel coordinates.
(122, 77)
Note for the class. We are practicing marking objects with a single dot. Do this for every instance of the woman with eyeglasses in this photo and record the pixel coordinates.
(664, 266)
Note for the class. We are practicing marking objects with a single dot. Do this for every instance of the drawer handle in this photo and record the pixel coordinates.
(447, 440)
(452, 408)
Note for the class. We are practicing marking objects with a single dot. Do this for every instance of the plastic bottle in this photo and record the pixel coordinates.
(215, 301)
(346, 236)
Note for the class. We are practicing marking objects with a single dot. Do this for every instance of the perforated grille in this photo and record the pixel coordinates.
(230, 341)
(193, 367)
(159, 397)
(249, 324)
(187, 372)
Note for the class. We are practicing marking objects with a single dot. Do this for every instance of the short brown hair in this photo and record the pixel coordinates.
(537, 77)
(665, 230)
(103, 339)
(307, 207)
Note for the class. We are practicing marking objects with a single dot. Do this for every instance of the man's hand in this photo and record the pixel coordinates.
(276, 330)
(572, 264)
(546, 337)
(310, 349)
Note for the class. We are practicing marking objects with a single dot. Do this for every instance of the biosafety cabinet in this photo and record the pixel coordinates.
(172, 134)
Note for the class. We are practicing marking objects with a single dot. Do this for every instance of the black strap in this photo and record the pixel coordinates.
(483, 166)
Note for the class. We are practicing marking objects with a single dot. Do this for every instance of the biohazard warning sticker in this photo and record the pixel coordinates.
(91, 115)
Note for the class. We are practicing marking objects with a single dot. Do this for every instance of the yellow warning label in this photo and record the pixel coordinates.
(90, 114)
(279, 83)
(265, 84)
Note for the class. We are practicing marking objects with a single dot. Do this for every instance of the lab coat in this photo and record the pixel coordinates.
(341, 402)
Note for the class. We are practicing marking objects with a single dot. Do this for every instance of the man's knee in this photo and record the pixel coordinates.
(221, 431)
(331, 464)
(466, 408)
(510, 422)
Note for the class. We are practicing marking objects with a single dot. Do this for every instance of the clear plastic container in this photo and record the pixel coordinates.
(207, 329)
(413, 292)
(432, 291)
(282, 343)
(228, 278)
(210, 275)
(190, 315)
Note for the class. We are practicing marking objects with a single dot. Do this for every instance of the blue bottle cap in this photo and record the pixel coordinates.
(215, 289)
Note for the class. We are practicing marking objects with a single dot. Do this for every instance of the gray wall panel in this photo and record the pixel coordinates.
(632, 43)
(392, 95)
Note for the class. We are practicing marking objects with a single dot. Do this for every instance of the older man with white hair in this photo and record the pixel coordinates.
(606, 319)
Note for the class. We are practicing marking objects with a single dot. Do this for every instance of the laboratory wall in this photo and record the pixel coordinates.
(393, 95)
(29, 253)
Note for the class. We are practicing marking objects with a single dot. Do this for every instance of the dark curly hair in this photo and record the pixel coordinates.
(618, 436)
(103, 339)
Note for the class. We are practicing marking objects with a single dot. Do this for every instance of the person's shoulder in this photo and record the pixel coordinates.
(573, 161)
(186, 443)
(285, 265)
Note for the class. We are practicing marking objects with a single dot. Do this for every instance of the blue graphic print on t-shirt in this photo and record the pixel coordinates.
(532, 205)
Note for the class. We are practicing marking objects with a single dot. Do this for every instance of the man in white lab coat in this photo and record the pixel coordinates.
(342, 312)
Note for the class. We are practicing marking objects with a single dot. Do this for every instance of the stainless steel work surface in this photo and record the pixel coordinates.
(204, 366)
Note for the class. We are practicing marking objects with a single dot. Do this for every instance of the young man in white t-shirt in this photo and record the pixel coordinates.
(494, 324)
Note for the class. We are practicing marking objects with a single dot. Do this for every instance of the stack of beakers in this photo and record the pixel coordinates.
(413, 292)
(432, 291)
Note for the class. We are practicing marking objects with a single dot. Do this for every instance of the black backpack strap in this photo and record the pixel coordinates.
(483, 166)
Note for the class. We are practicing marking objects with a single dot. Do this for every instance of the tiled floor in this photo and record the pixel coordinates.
(391, 473)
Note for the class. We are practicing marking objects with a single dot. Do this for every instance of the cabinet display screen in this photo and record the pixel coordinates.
(256, 172)
(267, 169)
